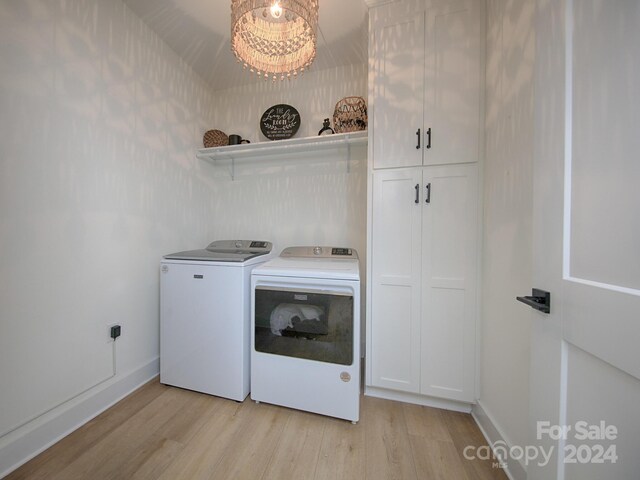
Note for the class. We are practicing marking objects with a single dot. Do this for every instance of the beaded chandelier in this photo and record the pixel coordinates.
(274, 38)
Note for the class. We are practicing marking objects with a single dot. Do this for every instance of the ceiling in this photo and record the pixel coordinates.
(199, 31)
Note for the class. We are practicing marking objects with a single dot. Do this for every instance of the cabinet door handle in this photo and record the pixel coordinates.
(418, 134)
(428, 187)
(417, 193)
(428, 138)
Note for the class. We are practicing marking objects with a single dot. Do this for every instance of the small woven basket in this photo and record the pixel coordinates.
(350, 115)
(215, 138)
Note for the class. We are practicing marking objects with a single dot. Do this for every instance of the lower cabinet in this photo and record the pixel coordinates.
(422, 322)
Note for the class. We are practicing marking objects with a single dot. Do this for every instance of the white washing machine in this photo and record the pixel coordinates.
(204, 317)
(305, 332)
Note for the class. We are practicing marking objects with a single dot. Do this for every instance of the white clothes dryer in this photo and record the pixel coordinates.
(305, 333)
(204, 317)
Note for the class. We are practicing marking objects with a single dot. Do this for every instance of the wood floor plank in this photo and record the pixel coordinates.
(187, 421)
(296, 454)
(464, 433)
(250, 449)
(154, 458)
(388, 452)
(425, 422)
(201, 455)
(342, 452)
(436, 459)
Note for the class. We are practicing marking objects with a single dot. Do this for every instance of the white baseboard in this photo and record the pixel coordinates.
(417, 399)
(21, 445)
(514, 469)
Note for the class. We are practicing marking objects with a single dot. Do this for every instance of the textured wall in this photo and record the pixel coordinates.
(507, 249)
(98, 179)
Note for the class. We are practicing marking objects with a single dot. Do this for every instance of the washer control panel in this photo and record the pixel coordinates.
(238, 246)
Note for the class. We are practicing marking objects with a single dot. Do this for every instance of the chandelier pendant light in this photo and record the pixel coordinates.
(274, 38)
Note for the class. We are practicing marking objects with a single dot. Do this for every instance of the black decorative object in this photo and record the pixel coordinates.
(326, 128)
(280, 122)
(234, 139)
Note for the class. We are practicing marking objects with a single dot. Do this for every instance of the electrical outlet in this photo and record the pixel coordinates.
(115, 331)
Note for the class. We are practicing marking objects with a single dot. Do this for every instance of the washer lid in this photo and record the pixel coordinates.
(225, 251)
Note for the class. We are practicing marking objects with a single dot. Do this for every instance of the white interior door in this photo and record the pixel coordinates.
(585, 367)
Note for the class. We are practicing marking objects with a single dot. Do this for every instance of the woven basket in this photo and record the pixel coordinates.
(215, 138)
(350, 115)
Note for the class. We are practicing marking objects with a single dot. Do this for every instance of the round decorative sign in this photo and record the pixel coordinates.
(280, 122)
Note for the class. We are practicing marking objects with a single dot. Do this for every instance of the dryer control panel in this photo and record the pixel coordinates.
(320, 252)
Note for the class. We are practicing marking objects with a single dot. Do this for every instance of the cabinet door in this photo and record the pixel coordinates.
(452, 81)
(398, 69)
(448, 327)
(395, 277)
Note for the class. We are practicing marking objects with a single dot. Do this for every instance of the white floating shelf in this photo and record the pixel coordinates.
(292, 145)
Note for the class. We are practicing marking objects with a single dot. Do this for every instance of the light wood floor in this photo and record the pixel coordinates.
(160, 432)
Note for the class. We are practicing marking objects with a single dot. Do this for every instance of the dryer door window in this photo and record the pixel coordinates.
(304, 324)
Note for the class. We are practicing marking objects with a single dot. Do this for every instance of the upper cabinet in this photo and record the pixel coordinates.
(398, 70)
(427, 79)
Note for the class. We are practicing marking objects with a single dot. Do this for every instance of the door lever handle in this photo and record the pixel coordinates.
(539, 299)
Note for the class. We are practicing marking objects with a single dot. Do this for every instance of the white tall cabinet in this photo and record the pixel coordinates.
(425, 130)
